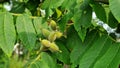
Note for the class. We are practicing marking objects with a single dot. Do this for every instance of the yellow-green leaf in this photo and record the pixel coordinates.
(7, 33)
(114, 7)
(26, 31)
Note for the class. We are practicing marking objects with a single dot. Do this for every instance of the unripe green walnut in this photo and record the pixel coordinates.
(45, 32)
(45, 43)
(53, 47)
(58, 34)
(53, 24)
(52, 36)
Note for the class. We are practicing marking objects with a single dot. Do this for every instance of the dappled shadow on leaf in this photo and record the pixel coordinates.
(18, 7)
(28, 39)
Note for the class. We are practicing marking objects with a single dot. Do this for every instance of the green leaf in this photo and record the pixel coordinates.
(48, 60)
(7, 33)
(68, 4)
(85, 19)
(72, 38)
(82, 33)
(114, 7)
(104, 50)
(51, 4)
(39, 23)
(80, 48)
(100, 11)
(115, 62)
(106, 59)
(84, 5)
(32, 5)
(76, 19)
(44, 60)
(58, 12)
(63, 22)
(101, 53)
(112, 22)
(39, 64)
(75, 53)
(48, 12)
(82, 20)
(26, 31)
(92, 53)
(64, 55)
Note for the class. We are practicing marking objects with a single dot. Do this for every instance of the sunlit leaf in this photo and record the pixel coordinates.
(39, 24)
(26, 31)
(38, 64)
(114, 6)
(59, 13)
(48, 60)
(51, 3)
(7, 33)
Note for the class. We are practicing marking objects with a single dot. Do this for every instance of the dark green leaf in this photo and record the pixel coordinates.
(92, 53)
(100, 11)
(112, 22)
(32, 5)
(85, 19)
(107, 58)
(82, 33)
(63, 22)
(18, 7)
(7, 33)
(72, 38)
(80, 48)
(85, 4)
(64, 55)
(82, 20)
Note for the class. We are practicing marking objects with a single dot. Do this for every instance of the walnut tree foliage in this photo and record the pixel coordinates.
(59, 34)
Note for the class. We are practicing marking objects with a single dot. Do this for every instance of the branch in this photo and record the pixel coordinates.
(102, 1)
